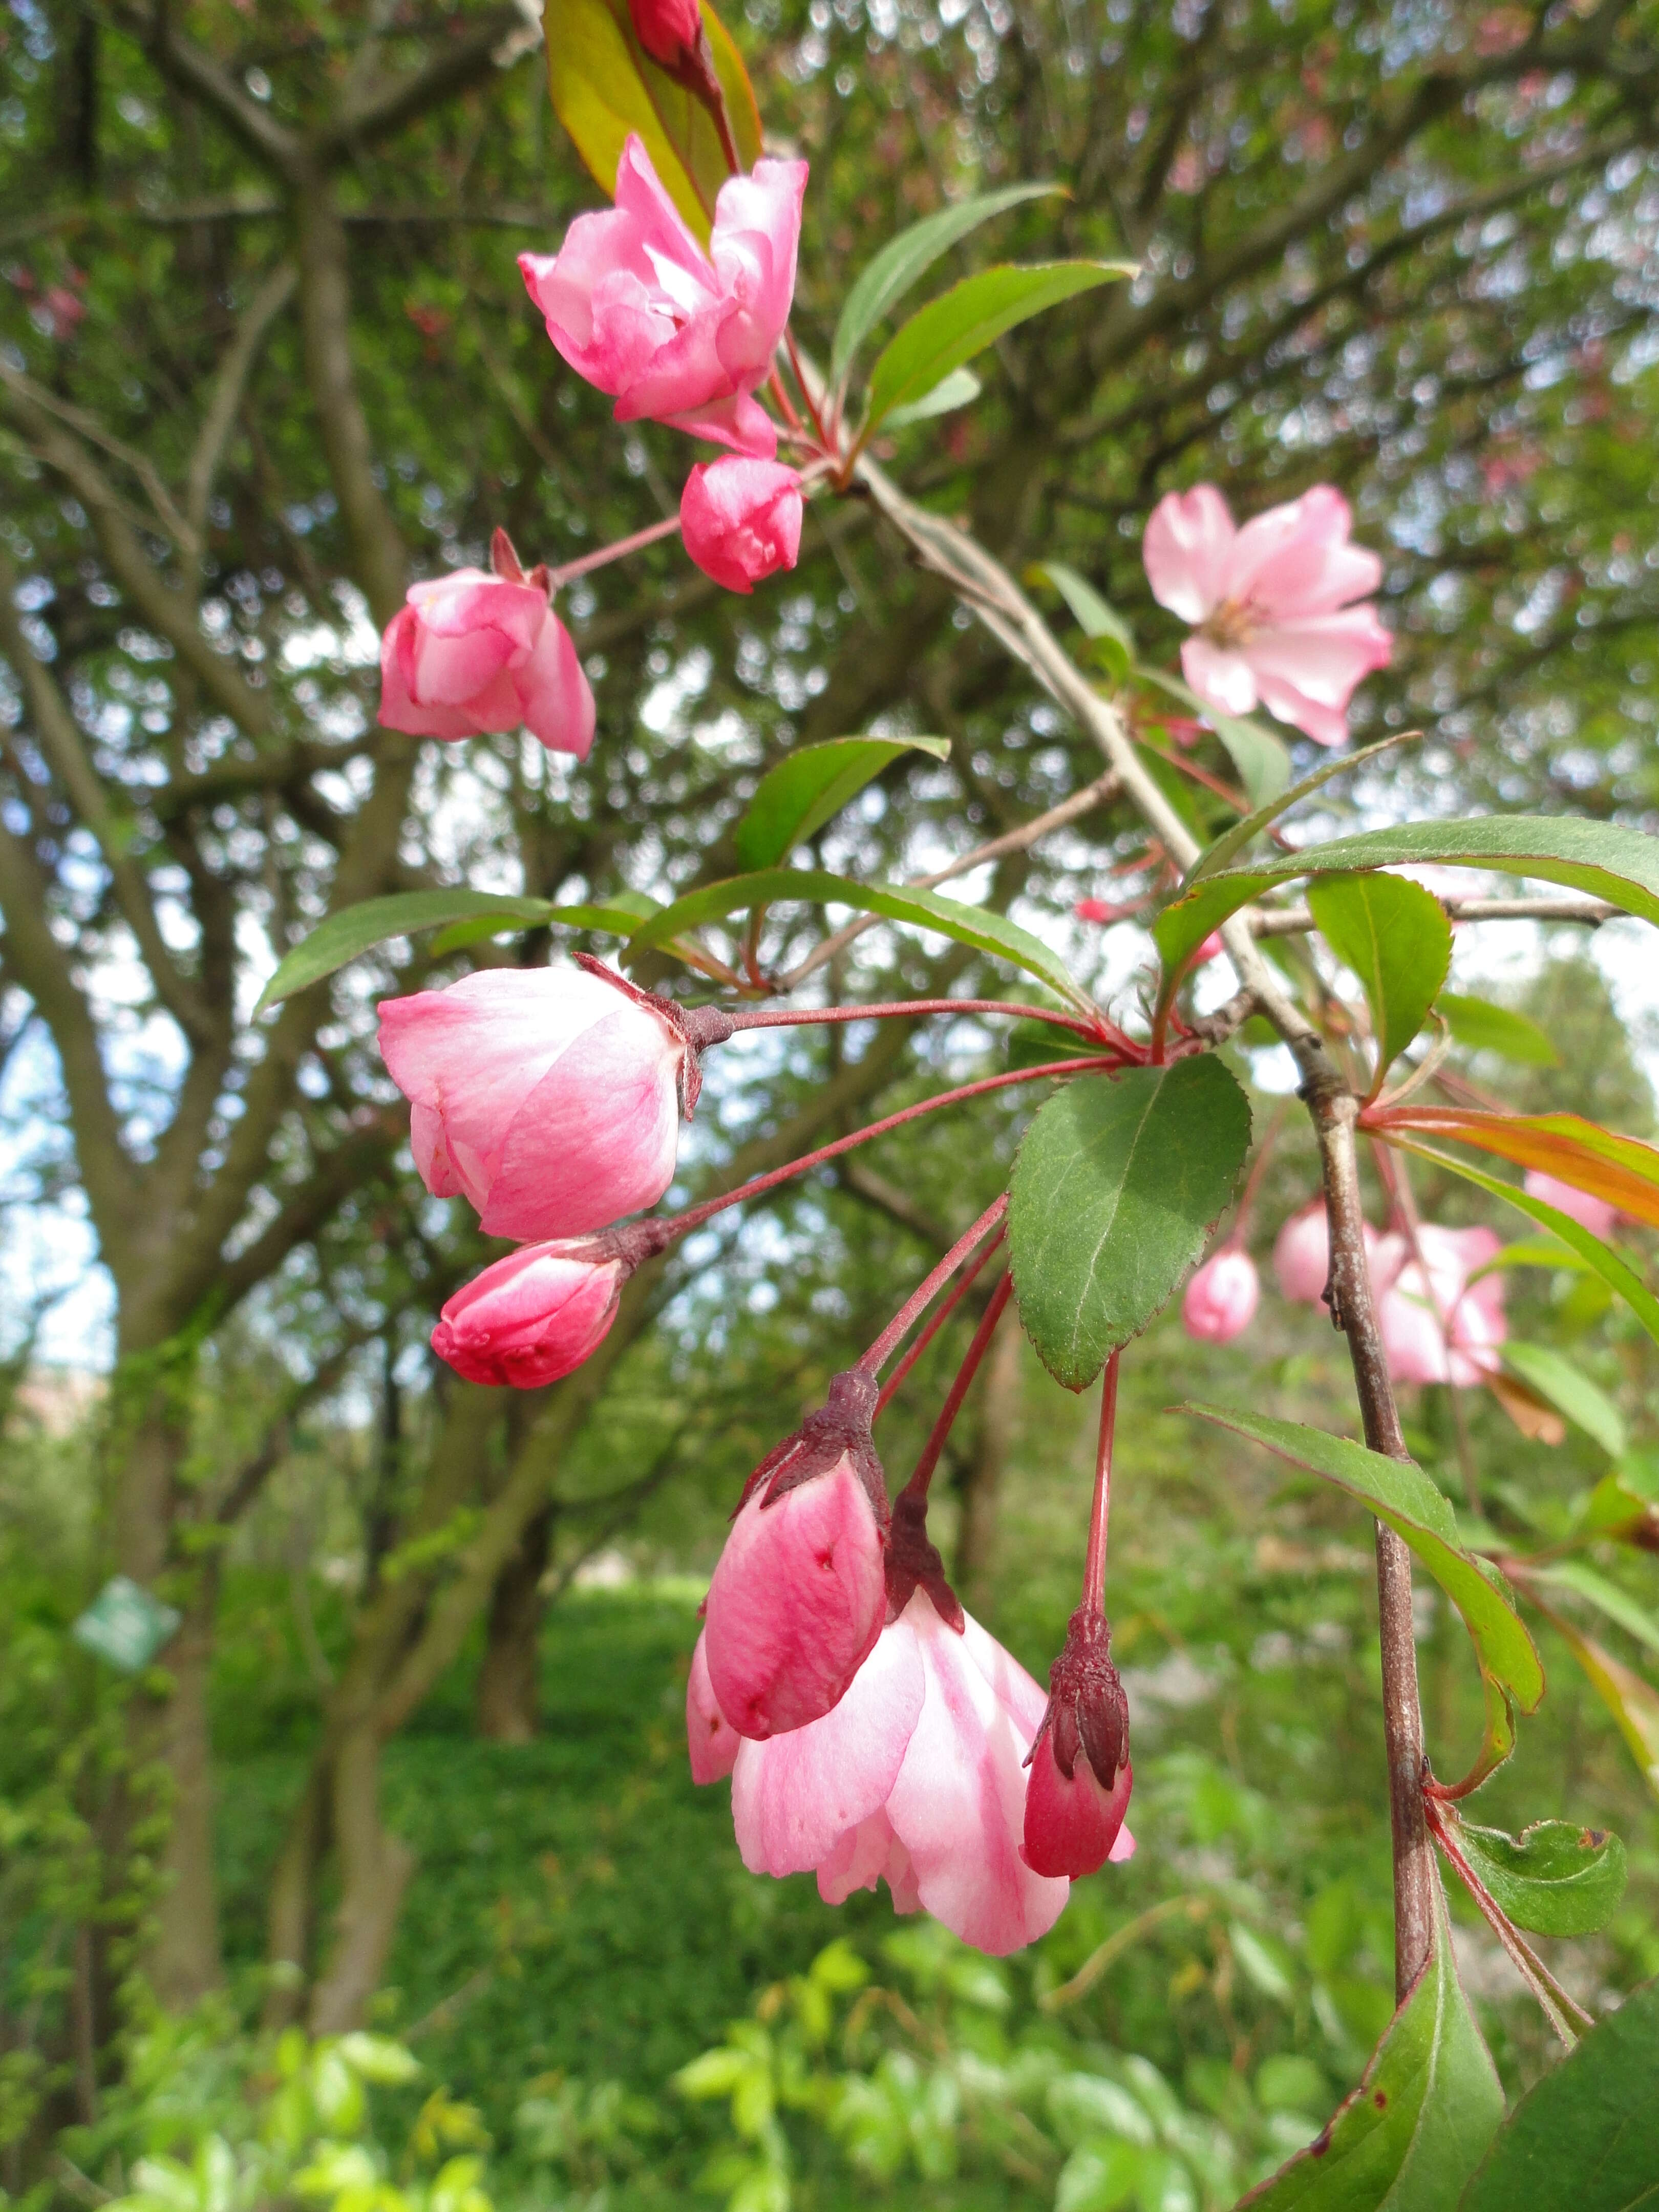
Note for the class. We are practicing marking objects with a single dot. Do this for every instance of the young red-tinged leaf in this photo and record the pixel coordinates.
(807, 788)
(1427, 2107)
(1479, 1026)
(1115, 1190)
(604, 86)
(1400, 1494)
(1556, 1878)
(1632, 1701)
(1586, 2137)
(1397, 940)
(1621, 1169)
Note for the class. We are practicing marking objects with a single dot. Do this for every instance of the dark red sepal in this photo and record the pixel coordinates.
(913, 1563)
(1087, 1709)
(840, 1429)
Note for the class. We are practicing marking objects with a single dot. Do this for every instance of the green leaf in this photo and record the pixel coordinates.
(1396, 939)
(805, 788)
(605, 85)
(882, 282)
(1242, 832)
(1092, 614)
(1608, 861)
(358, 929)
(1262, 761)
(1556, 1878)
(1479, 1026)
(1403, 1496)
(1570, 1391)
(619, 915)
(1606, 1596)
(1586, 2137)
(1427, 2106)
(960, 389)
(968, 925)
(970, 317)
(1115, 1189)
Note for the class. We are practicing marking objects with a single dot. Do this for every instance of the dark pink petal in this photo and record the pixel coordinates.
(530, 1319)
(1071, 1826)
(711, 1741)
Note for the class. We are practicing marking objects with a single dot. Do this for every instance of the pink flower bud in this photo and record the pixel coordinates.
(667, 29)
(1593, 1213)
(677, 334)
(1302, 1255)
(1272, 604)
(551, 1098)
(741, 518)
(1074, 1825)
(1080, 1778)
(1222, 1297)
(711, 1741)
(799, 1594)
(531, 1318)
(1436, 1325)
(472, 654)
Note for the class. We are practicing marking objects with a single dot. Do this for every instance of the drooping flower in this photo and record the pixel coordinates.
(1590, 1212)
(668, 29)
(472, 654)
(711, 1741)
(551, 1098)
(799, 1594)
(1222, 1296)
(1436, 1325)
(531, 1317)
(674, 334)
(916, 1778)
(740, 520)
(1080, 1775)
(1276, 606)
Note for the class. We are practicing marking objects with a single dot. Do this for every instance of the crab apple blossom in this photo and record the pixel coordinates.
(1281, 608)
(1080, 1775)
(548, 1096)
(531, 1317)
(1436, 1325)
(1593, 1213)
(669, 30)
(917, 1778)
(712, 1744)
(472, 654)
(799, 1593)
(740, 520)
(1302, 1255)
(1222, 1297)
(674, 334)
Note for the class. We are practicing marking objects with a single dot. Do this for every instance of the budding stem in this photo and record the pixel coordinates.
(926, 1292)
(777, 1017)
(917, 1486)
(1094, 1565)
(619, 551)
(936, 1321)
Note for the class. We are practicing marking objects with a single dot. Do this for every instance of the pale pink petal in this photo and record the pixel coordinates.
(865, 1856)
(1185, 551)
(432, 1161)
(1220, 674)
(1295, 560)
(1323, 656)
(1580, 1206)
(1222, 1297)
(711, 1741)
(1302, 1255)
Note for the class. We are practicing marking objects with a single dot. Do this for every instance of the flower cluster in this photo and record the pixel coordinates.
(1440, 1316)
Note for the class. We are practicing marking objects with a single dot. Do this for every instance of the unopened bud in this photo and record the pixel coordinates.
(1080, 1776)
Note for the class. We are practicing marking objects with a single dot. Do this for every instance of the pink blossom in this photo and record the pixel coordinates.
(667, 29)
(1271, 604)
(1302, 1255)
(677, 334)
(548, 1097)
(917, 1778)
(1435, 1326)
(711, 1741)
(1593, 1213)
(531, 1318)
(473, 654)
(741, 519)
(1073, 1825)
(1222, 1297)
(797, 1602)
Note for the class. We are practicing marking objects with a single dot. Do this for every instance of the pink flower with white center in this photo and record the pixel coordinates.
(1593, 1213)
(1222, 1297)
(669, 30)
(917, 1778)
(1274, 605)
(473, 654)
(552, 1098)
(677, 334)
(741, 518)
(711, 1741)
(799, 1594)
(1435, 1326)
(531, 1317)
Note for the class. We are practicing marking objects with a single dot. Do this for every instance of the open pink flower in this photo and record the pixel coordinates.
(797, 1602)
(1593, 1213)
(916, 1778)
(1272, 604)
(531, 1318)
(676, 334)
(1435, 1326)
(551, 1098)
(740, 520)
(472, 654)
(711, 1741)
(668, 29)
(1222, 1297)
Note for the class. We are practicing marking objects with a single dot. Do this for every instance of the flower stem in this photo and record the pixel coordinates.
(1094, 1565)
(619, 551)
(936, 1321)
(917, 1486)
(929, 1288)
(778, 1017)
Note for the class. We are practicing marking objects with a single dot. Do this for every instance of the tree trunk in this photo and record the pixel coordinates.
(375, 1867)
(981, 1486)
(506, 1704)
(292, 1910)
